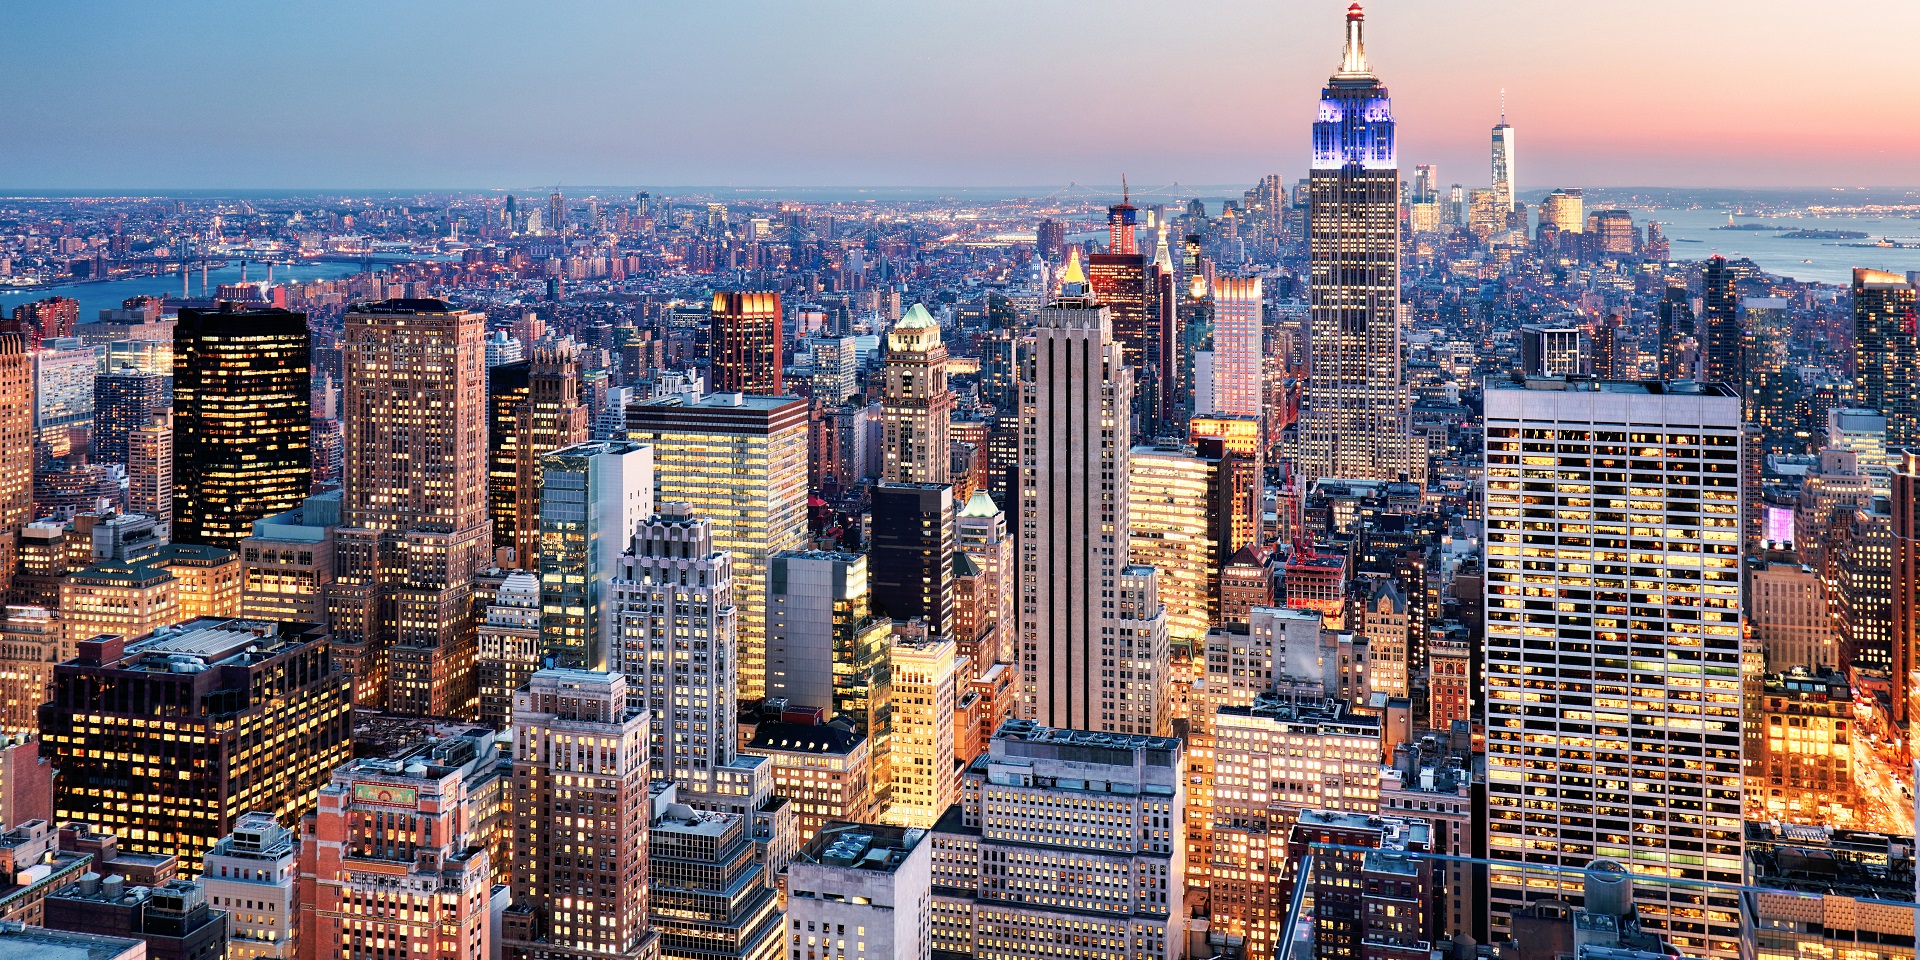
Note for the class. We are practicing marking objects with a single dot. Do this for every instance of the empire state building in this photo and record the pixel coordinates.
(1355, 418)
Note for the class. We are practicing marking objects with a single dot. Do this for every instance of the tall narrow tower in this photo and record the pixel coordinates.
(1355, 421)
(1503, 159)
(917, 407)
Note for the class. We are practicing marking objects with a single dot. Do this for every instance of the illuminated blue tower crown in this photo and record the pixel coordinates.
(1356, 116)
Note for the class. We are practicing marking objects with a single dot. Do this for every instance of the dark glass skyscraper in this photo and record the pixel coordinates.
(1886, 353)
(1676, 335)
(746, 340)
(913, 544)
(241, 443)
(1721, 352)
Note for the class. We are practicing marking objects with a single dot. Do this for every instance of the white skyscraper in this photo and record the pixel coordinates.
(593, 497)
(674, 594)
(1075, 437)
(1613, 646)
(1503, 158)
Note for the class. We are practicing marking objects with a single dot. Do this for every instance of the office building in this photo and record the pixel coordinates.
(1138, 295)
(1075, 436)
(395, 859)
(1565, 209)
(150, 470)
(286, 565)
(1904, 522)
(30, 647)
(1045, 802)
(1609, 593)
(920, 763)
(1679, 343)
(16, 433)
(579, 771)
(1275, 760)
(1354, 416)
(827, 649)
(740, 462)
(116, 598)
(508, 640)
(209, 579)
(1180, 515)
(1788, 609)
(63, 372)
(593, 498)
(709, 895)
(1722, 359)
(172, 917)
(1806, 773)
(1371, 899)
(1555, 350)
(413, 528)
(1824, 891)
(823, 769)
(980, 532)
(1886, 357)
(912, 531)
(241, 444)
(1237, 347)
(1430, 780)
(252, 875)
(124, 400)
(534, 408)
(1503, 159)
(258, 710)
(915, 405)
(746, 341)
(862, 891)
(836, 369)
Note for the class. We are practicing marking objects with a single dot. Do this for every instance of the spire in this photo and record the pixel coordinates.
(1503, 106)
(1354, 63)
(1075, 274)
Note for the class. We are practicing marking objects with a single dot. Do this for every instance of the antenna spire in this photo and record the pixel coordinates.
(1354, 62)
(1503, 105)
(1125, 195)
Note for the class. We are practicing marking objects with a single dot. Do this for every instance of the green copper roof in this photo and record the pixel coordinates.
(979, 505)
(917, 316)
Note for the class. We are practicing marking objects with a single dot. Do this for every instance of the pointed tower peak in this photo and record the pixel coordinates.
(1354, 61)
(1075, 273)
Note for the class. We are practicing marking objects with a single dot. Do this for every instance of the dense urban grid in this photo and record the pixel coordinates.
(1355, 568)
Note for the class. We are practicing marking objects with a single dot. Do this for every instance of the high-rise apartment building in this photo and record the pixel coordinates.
(241, 441)
(912, 532)
(1354, 418)
(396, 857)
(923, 780)
(1045, 802)
(1886, 356)
(1629, 559)
(740, 462)
(63, 372)
(16, 433)
(413, 528)
(1905, 522)
(1075, 435)
(581, 809)
(508, 640)
(916, 407)
(256, 712)
(745, 336)
(593, 498)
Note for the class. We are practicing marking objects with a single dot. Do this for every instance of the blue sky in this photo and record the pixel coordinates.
(410, 93)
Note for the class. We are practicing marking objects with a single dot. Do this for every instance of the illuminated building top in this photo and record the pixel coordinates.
(1355, 127)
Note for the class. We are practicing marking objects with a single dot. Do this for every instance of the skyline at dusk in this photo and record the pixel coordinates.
(358, 96)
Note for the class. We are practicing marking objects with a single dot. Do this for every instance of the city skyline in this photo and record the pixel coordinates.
(618, 97)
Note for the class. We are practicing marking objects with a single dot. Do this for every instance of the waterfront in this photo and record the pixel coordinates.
(107, 294)
(1832, 263)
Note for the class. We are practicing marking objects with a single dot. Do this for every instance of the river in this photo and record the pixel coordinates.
(1778, 255)
(107, 294)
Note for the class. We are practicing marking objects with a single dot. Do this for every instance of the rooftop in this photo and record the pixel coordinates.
(861, 846)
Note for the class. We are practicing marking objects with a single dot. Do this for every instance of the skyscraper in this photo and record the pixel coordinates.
(414, 506)
(1075, 437)
(1678, 348)
(1675, 447)
(1180, 511)
(150, 470)
(1886, 357)
(1721, 359)
(913, 545)
(1503, 191)
(581, 809)
(1137, 293)
(981, 532)
(745, 338)
(257, 711)
(508, 640)
(593, 498)
(1236, 347)
(676, 644)
(1355, 415)
(741, 462)
(916, 407)
(550, 415)
(16, 433)
(920, 762)
(241, 442)
(1906, 585)
(123, 401)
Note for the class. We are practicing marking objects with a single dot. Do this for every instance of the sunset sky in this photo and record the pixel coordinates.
(407, 93)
